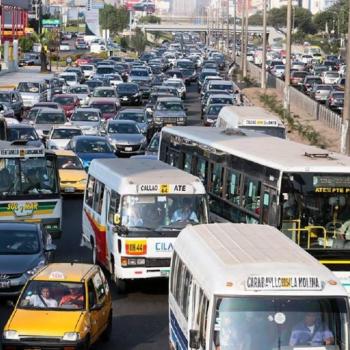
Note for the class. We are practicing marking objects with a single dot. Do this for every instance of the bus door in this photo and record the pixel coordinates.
(269, 207)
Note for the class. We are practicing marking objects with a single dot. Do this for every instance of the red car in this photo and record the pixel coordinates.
(107, 106)
(83, 60)
(68, 102)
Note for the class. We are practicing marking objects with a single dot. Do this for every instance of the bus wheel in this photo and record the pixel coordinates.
(121, 285)
(94, 253)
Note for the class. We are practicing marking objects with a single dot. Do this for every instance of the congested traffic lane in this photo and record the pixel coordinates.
(140, 318)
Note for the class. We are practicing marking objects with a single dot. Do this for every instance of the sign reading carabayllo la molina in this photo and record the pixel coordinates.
(283, 283)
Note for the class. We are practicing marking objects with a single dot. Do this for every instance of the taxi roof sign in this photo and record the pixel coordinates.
(260, 122)
(57, 275)
(269, 283)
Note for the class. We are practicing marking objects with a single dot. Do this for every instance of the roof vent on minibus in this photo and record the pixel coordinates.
(318, 155)
(233, 132)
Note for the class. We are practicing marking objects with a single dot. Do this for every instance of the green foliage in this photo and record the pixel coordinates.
(302, 19)
(138, 41)
(26, 43)
(124, 42)
(150, 19)
(256, 19)
(116, 19)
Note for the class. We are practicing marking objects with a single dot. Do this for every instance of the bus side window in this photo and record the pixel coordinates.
(202, 317)
(187, 166)
(113, 206)
(174, 263)
(251, 194)
(216, 179)
(89, 195)
(233, 186)
(179, 272)
(201, 170)
(98, 196)
(186, 288)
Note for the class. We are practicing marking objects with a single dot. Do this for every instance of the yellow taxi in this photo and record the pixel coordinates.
(71, 172)
(65, 306)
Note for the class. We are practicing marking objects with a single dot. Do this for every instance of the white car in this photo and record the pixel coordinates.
(64, 47)
(70, 78)
(342, 70)
(88, 70)
(278, 71)
(59, 136)
(330, 77)
(97, 48)
(178, 84)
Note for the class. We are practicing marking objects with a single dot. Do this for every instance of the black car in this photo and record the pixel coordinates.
(129, 94)
(24, 249)
(93, 83)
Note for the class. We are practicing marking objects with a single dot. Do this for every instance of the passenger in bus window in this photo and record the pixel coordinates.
(311, 332)
(185, 213)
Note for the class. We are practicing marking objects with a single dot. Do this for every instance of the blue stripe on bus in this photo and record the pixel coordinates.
(176, 333)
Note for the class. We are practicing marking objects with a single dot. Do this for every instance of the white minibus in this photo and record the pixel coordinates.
(229, 290)
(133, 210)
(252, 118)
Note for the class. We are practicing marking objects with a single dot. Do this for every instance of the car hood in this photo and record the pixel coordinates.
(44, 322)
(45, 126)
(60, 143)
(86, 125)
(122, 94)
(90, 156)
(71, 175)
(30, 95)
(127, 139)
(169, 114)
(137, 78)
(13, 264)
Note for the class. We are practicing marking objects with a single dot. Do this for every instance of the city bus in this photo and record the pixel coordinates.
(29, 186)
(252, 118)
(231, 290)
(133, 210)
(254, 178)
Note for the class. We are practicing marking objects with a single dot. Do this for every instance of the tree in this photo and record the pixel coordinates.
(277, 17)
(26, 43)
(116, 19)
(46, 40)
(138, 41)
(256, 19)
(150, 19)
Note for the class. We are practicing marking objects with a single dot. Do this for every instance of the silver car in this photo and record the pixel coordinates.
(126, 137)
(32, 93)
(88, 119)
(46, 118)
(169, 111)
(82, 92)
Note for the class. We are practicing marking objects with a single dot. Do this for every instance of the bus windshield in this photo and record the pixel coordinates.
(275, 323)
(27, 176)
(271, 131)
(321, 201)
(163, 212)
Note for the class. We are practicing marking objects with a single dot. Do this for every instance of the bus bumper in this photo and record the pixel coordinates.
(53, 226)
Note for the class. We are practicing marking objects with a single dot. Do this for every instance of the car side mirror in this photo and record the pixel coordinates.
(194, 339)
(96, 307)
(116, 219)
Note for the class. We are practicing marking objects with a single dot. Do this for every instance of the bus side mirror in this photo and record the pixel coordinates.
(116, 219)
(194, 339)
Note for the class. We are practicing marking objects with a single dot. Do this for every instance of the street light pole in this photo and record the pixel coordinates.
(263, 61)
(234, 31)
(345, 137)
(286, 101)
(228, 27)
(245, 39)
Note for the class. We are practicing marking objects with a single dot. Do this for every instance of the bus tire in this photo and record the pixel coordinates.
(121, 285)
(94, 252)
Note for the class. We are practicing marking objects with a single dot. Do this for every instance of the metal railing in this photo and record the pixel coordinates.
(297, 98)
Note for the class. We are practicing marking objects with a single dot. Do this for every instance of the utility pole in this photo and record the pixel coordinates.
(263, 61)
(286, 103)
(245, 39)
(242, 39)
(234, 30)
(228, 28)
(345, 137)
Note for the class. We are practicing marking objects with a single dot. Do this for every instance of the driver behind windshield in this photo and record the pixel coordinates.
(43, 299)
(185, 213)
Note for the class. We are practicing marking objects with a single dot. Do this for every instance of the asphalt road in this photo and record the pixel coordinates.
(140, 319)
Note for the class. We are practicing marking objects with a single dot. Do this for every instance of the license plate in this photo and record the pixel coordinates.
(69, 189)
(136, 247)
(165, 273)
(4, 284)
(128, 149)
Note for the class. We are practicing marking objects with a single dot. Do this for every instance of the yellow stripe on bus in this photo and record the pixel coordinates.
(38, 212)
(335, 262)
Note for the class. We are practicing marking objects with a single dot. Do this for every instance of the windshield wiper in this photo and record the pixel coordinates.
(167, 227)
(140, 227)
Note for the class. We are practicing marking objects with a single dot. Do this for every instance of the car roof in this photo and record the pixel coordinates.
(132, 110)
(102, 100)
(104, 88)
(48, 110)
(20, 126)
(120, 121)
(169, 99)
(65, 272)
(87, 109)
(88, 137)
(74, 127)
